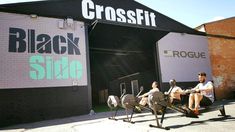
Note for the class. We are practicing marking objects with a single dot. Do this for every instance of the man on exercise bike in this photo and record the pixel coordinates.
(144, 97)
(203, 95)
(174, 93)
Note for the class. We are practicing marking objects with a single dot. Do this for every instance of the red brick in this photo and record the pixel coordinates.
(222, 55)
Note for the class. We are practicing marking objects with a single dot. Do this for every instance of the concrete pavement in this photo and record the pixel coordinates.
(206, 122)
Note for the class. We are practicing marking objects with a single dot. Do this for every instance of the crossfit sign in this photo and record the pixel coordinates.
(35, 52)
(91, 11)
(182, 56)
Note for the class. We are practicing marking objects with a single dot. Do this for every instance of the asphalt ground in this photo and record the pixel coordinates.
(207, 122)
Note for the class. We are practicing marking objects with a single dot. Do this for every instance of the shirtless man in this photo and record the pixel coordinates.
(174, 92)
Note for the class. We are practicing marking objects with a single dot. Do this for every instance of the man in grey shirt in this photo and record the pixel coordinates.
(204, 94)
(144, 97)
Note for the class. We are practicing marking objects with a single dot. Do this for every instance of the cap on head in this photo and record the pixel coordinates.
(202, 74)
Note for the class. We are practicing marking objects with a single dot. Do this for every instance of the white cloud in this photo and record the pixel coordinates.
(216, 18)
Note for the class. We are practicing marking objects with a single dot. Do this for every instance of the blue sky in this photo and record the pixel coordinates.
(189, 12)
(193, 12)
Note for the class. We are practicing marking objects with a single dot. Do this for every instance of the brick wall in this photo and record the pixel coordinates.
(222, 54)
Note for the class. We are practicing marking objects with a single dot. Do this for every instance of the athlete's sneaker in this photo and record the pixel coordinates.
(196, 112)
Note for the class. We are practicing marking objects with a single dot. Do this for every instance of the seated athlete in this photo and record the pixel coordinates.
(174, 92)
(204, 94)
(144, 97)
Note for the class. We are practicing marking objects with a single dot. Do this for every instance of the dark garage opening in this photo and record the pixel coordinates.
(120, 54)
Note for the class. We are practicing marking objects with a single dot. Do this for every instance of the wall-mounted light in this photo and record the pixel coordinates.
(69, 21)
(66, 23)
(61, 24)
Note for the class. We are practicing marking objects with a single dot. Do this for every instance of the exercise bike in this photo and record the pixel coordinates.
(126, 101)
(114, 103)
(159, 101)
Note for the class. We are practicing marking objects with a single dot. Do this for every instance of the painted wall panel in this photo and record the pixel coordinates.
(41, 52)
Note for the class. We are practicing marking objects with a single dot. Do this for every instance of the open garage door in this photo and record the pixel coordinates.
(120, 54)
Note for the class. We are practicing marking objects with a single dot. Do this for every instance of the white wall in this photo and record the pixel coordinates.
(183, 56)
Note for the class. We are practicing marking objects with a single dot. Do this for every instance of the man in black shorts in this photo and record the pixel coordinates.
(204, 95)
(175, 93)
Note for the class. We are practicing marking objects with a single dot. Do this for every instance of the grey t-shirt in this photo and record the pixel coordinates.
(208, 94)
(152, 91)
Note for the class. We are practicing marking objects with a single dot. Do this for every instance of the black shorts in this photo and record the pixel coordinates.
(205, 101)
(176, 102)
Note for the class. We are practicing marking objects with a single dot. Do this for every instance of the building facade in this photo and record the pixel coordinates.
(221, 39)
(58, 57)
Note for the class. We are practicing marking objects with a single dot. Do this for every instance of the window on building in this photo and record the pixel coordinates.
(135, 87)
(122, 87)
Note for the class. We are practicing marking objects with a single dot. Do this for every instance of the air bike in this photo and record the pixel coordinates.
(126, 101)
(158, 101)
(114, 103)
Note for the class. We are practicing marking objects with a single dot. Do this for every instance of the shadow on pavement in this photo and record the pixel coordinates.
(223, 119)
(81, 118)
(74, 119)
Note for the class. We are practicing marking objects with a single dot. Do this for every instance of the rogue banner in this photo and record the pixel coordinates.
(183, 56)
